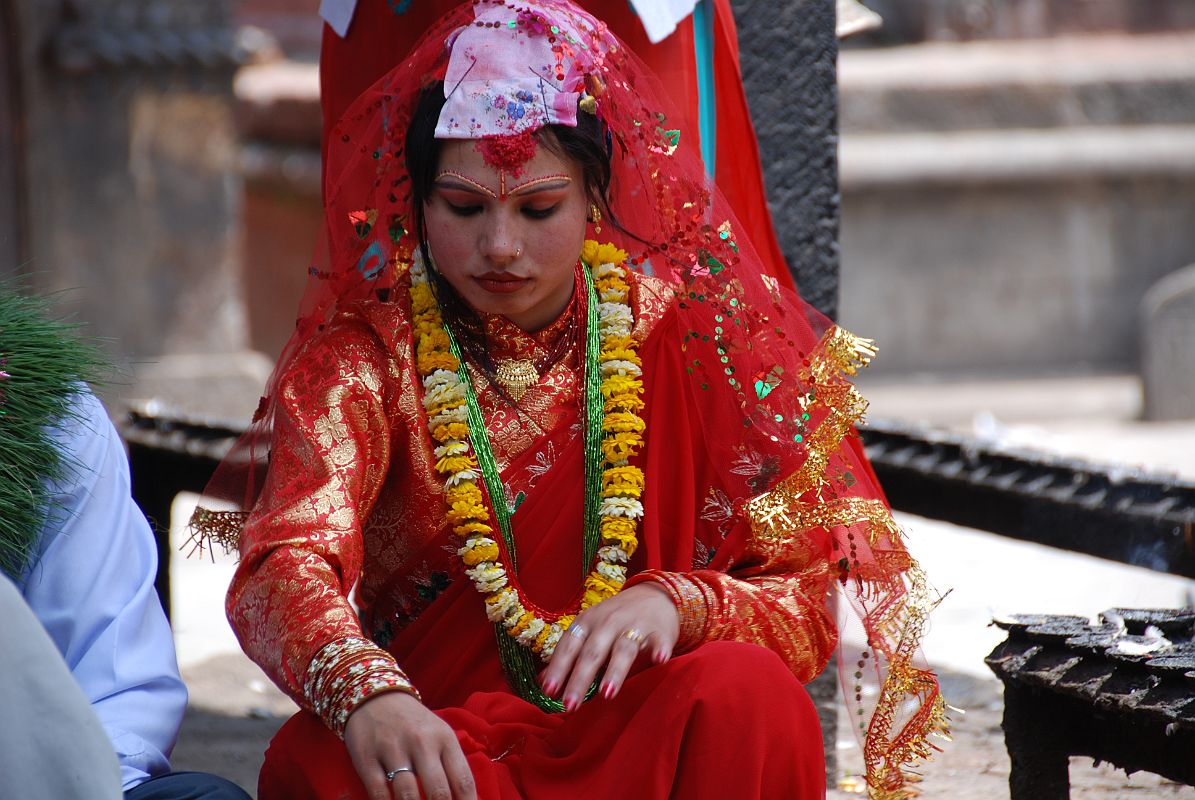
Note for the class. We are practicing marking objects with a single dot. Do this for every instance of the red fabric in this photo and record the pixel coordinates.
(728, 720)
(378, 38)
(667, 732)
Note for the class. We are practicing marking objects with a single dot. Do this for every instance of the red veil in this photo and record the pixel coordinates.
(766, 372)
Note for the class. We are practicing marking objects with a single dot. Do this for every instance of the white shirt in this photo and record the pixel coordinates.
(659, 17)
(91, 585)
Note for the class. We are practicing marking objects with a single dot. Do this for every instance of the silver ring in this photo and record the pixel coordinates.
(391, 773)
(577, 631)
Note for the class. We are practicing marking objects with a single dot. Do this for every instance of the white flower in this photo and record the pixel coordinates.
(621, 507)
(467, 475)
(617, 367)
(613, 296)
(550, 642)
(533, 630)
(612, 554)
(609, 269)
(440, 377)
(453, 447)
(473, 542)
(514, 616)
(488, 577)
(444, 393)
(615, 319)
(458, 414)
(507, 599)
(612, 572)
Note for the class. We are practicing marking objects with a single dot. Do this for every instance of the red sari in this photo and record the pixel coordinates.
(351, 495)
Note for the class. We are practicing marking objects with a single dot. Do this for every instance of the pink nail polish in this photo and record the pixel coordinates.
(570, 703)
(607, 691)
(550, 688)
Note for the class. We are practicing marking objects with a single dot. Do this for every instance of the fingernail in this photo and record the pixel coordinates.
(551, 687)
(660, 657)
(607, 691)
(571, 703)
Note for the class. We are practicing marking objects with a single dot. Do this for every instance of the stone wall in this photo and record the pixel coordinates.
(129, 203)
(910, 21)
(1007, 205)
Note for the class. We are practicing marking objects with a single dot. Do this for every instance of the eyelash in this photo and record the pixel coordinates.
(533, 213)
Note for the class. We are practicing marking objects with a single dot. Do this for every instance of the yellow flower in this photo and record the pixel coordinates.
(521, 625)
(476, 555)
(624, 402)
(454, 430)
(623, 423)
(430, 362)
(623, 481)
(463, 493)
(595, 254)
(597, 589)
(452, 464)
(473, 529)
(464, 512)
(621, 384)
(620, 354)
(538, 645)
(620, 531)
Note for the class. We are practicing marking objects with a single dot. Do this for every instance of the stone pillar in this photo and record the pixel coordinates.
(1168, 347)
(129, 200)
(789, 53)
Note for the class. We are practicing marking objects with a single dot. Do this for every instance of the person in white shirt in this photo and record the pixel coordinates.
(90, 584)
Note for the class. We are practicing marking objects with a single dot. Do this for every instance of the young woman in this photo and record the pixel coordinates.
(589, 499)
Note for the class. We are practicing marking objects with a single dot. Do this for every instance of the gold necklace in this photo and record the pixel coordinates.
(516, 376)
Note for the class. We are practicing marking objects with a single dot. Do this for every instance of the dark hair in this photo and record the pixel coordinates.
(587, 144)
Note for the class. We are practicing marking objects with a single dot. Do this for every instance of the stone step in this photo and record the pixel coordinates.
(1075, 81)
(1022, 156)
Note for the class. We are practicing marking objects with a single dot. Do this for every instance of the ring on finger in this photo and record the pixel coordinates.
(577, 631)
(635, 635)
(391, 773)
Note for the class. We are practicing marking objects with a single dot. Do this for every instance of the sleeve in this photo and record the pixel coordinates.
(301, 549)
(92, 588)
(772, 594)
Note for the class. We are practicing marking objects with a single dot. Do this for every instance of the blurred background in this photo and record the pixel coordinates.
(1017, 186)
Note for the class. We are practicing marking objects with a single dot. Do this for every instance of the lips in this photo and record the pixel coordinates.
(501, 282)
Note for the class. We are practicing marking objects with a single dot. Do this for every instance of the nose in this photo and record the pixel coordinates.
(500, 243)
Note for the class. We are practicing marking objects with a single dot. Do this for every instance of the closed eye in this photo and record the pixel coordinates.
(540, 213)
(463, 211)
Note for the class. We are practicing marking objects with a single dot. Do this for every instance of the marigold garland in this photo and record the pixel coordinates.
(622, 484)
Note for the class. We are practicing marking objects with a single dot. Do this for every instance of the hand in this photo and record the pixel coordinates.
(394, 730)
(604, 641)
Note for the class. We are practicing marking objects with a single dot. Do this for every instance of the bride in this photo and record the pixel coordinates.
(542, 514)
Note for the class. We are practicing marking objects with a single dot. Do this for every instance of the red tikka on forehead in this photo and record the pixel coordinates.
(508, 153)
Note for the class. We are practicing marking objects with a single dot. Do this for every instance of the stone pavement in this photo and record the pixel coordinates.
(234, 709)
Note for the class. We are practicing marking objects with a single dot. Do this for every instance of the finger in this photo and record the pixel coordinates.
(374, 779)
(566, 652)
(585, 668)
(660, 646)
(622, 656)
(460, 776)
(405, 786)
(433, 781)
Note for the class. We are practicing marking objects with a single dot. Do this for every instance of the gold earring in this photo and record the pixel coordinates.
(595, 216)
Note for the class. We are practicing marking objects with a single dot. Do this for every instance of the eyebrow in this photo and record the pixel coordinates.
(542, 184)
(469, 183)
